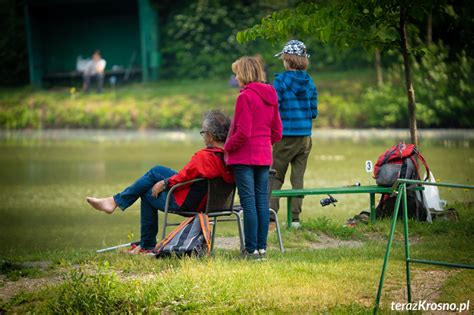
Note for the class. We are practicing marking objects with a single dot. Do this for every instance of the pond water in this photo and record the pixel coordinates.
(45, 177)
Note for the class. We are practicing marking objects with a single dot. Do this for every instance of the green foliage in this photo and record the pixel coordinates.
(383, 107)
(344, 23)
(336, 111)
(97, 293)
(200, 42)
(444, 93)
(347, 99)
(164, 105)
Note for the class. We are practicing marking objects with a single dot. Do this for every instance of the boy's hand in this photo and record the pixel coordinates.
(158, 188)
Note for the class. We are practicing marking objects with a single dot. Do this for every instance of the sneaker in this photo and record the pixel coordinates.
(296, 224)
(138, 250)
(247, 255)
(134, 250)
(263, 254)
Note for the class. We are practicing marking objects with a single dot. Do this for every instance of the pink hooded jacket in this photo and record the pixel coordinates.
(256, 126)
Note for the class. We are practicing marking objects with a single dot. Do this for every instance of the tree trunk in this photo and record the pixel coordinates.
(378, 68)
(429, 29)
(408, 78)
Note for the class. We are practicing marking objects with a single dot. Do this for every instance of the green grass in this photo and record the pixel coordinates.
(341, 280)
(46, 220)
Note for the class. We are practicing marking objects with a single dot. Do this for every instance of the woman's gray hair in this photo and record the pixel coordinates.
(217, 125)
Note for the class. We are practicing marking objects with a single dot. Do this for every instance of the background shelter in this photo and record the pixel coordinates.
(59, 31)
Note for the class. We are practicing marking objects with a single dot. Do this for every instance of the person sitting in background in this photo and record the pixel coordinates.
(94, 69)
(152, 188)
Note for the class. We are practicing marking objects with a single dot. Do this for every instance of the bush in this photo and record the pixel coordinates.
(84, 292)
(133, 107)
(200, 40)
(444, 93)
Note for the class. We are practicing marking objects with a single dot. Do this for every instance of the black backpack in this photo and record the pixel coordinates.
(400, 161)
(191, 238)
(416, 208)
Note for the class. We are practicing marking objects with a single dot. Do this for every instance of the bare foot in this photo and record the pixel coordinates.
(106, 205)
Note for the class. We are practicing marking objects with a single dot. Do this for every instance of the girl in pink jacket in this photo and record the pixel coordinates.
(255, 128)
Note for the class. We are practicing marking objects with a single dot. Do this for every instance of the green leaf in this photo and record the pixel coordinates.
(306, 26)
(377, 11)
(240, 37)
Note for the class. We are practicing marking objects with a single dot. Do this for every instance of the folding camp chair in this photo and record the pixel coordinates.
(220, 203)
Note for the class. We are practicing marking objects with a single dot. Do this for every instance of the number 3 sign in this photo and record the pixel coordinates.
(368, 166)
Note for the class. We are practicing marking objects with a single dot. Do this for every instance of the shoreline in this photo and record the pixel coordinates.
(192, 134)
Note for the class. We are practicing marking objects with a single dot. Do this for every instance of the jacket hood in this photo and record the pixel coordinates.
(297, 81)
(266, 92)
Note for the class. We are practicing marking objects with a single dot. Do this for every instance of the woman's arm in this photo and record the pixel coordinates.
(242, 124)
(276, 126)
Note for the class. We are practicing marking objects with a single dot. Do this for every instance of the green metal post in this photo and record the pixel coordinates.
(149, 38)
(441, 263)
(372, 208)
(400, 185)
(407, 245)
(289, 213)
(387, 251)
(143, 38)
(34, 63)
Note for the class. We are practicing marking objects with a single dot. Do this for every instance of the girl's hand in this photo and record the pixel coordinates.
(158, 188)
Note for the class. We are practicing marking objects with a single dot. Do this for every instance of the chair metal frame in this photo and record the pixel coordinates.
(234, 211)
(212, 213)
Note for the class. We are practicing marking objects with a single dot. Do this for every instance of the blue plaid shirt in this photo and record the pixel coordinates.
(297, 101)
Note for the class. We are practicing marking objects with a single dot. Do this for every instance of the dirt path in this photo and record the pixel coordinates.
(9, 289)
(324, 242)
(425, 286)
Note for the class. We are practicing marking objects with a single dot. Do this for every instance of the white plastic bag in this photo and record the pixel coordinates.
(431, 198)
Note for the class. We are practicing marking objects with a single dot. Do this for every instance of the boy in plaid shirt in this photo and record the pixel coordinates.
(298, 105)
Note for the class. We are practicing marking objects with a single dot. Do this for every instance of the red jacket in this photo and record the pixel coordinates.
(206, 163)
(256, 126)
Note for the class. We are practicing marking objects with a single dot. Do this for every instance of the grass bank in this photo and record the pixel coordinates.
(163, 104)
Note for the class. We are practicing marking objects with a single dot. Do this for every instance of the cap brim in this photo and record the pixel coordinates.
(279, 54)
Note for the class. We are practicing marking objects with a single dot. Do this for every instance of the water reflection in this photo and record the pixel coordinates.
(102, 157)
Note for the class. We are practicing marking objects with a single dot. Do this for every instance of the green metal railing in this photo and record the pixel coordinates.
(301, 193)
(400, 187)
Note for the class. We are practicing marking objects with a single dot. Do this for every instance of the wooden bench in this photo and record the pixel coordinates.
(300, 193)
(78, 74)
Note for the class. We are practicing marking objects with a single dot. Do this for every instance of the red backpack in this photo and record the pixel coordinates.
(399, 161)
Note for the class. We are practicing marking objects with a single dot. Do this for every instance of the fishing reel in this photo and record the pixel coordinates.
(328, 201)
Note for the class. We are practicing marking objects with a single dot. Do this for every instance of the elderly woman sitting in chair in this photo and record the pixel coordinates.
(152, 188)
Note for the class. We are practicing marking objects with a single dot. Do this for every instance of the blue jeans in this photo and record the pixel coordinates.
(252, 183)
(142, 188)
